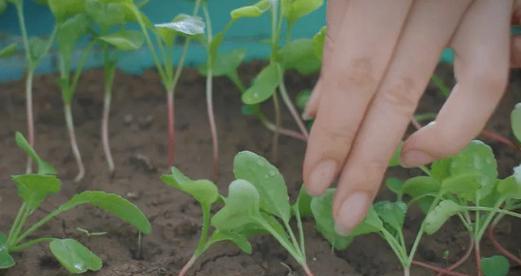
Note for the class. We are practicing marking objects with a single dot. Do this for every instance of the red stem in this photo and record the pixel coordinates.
(477, 251)
(187, 266)
(500, 248)
(171, 128)
(307, 270)
(491, 135)
(462, 259)
(437, 269)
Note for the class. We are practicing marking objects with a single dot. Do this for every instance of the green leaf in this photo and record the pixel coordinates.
(204, 191)
(464, 186)
(37, 47)
(69, 32)
(267, 180)
(74, 256)
(392, 213)
(302, 99)
(516, 121)
(303, 203)
(395, 185)
(420, 186)
(44, 168)
(8, 51)
(240, 209)
(319, 41)
(35, 188)
(477, 157)
(300, 55)
(251, 11)
(6, 260)
(295, 9)
(371, 224)
(322, 209)
(395, 159)
(63, 9)
(185, 24)
(509, 188)
(440, 169)
(3, 6)
(239, 240)
(125, 40)
(105, 13)
(264, 85)
(225, 64)
(495, 266)
(112, 204)
(440, 214)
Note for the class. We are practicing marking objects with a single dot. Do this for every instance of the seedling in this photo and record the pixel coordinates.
(72, 24)
(165, 35)
(257, 202)
(35, 49)
(300, 55)
(34, 189)
(465, 186)
(109, 15)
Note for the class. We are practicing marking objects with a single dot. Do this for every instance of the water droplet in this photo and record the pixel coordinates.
(272, 173)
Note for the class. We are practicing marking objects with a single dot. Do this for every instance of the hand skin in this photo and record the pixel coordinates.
(378, 59)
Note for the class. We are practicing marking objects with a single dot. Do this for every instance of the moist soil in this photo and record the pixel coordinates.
(138, 138)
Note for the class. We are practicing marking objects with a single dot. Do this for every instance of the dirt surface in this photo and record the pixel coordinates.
(138, 137)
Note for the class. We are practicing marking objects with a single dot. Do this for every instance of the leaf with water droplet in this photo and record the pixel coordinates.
(264, 84)
(74, 256)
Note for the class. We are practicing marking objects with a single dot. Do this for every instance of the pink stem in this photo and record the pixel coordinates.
(30, 117)
(437, 269)
(105, 131)
(500, 248)
(307, 270)
(187, 266)
(462, 259)
(477, 251)
(213, 127)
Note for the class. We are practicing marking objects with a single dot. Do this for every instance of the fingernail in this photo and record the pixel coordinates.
(352, 212)
(321, 177)
(415, 158)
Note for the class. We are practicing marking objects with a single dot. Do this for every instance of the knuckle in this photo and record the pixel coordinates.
(450, 144)
(358, 74)
(402, 96)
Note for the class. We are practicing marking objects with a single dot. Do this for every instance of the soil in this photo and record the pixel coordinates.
(138, 137)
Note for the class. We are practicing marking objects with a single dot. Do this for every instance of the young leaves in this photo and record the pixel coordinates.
(264, 84)
(74, 256)
(35, 188)
(63, 9)
(183, 24)
(495, 266)
(440, 214)
(267, 180)
(44, 168)
(8, 51)
(516, 121)
(300, 55)
(6, 261)
(322, 209)
(251, 11)
(124, 40)
(112, 204)
(225, 64)
(391, 213)
(242, 207)
(295, 9)
(204, 191)
(106, 13)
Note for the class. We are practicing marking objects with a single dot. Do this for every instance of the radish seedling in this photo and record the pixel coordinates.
(110, 15)
(35, 49)
(298, 54)
(72, 24)
(257, 203)
(163, 56)
(34, 189)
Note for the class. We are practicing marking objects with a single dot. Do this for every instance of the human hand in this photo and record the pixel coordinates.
(378, 60)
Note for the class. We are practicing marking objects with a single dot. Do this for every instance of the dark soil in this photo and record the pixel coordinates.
(138, 136)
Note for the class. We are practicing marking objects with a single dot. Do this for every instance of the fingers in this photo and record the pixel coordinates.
(428, 31)
(359, 60)
(336, 11)
(482, 46)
